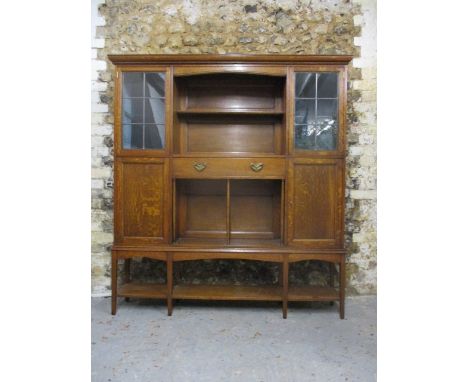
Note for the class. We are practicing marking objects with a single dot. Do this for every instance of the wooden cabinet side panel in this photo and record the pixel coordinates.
(141, 195)
(315, 188)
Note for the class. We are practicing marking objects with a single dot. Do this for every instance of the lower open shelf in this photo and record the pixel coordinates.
(282, 290)
(229, 292)
(312, 293)
(142, 290)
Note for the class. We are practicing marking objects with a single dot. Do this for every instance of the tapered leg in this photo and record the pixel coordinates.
(177, 273)
(331, 276)
(169, 283)
(285, 279)
(280, 275)
(127, 278)
(177, 276)
(342, 286)
(114, 266)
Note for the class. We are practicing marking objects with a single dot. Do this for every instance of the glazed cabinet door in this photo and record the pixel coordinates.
(318, 101)
(315, 203)
(142, 104)
(142, 198)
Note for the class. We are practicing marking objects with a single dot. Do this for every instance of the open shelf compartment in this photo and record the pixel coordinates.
(229, 113)
(238, 212)
(227, 292)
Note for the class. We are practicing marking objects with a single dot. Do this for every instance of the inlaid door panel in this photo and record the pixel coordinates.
(315, 202)
(141, 193)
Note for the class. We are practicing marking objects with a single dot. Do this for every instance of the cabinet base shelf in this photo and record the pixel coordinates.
(313, 293)
(227, 292)
(143, 290)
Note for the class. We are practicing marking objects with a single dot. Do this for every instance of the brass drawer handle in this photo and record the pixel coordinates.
(199, 166)
(256, 166)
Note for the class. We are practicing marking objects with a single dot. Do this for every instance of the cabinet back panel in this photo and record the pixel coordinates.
(230, 91)
(252, 214)
(232, 137)
(232, 97)
(255, 209)
(206, 213)
(201, 206)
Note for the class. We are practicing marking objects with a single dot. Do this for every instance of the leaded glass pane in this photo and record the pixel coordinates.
(305, 85)
(319, 135)
(327, 85)
(327, 108)
(143, 110)
(305, 111)
(132, 110)
(132, 137)
(154, 136)
(155, 85)
(316, 111)
(155, 110)
(132, 84)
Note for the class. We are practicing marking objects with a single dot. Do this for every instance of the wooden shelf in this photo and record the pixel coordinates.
(201, 241)
(251, 243)
(227, 292)
(312, 293)
(246, 112)
(255, 243)
(142, 290)
(252, 293)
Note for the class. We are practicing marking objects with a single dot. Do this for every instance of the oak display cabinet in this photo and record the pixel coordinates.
(237, 157)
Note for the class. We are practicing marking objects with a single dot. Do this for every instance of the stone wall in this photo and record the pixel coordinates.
(242, 26)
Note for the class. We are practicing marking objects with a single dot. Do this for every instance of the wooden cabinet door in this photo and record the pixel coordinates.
(315, 203)
(142, 199)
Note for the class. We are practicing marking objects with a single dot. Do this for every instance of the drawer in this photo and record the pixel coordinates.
(229, 168)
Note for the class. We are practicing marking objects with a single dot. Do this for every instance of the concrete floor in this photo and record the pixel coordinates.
(233, 342)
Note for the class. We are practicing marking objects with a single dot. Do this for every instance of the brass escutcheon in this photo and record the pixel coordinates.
(199, 166)
(256, 166)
